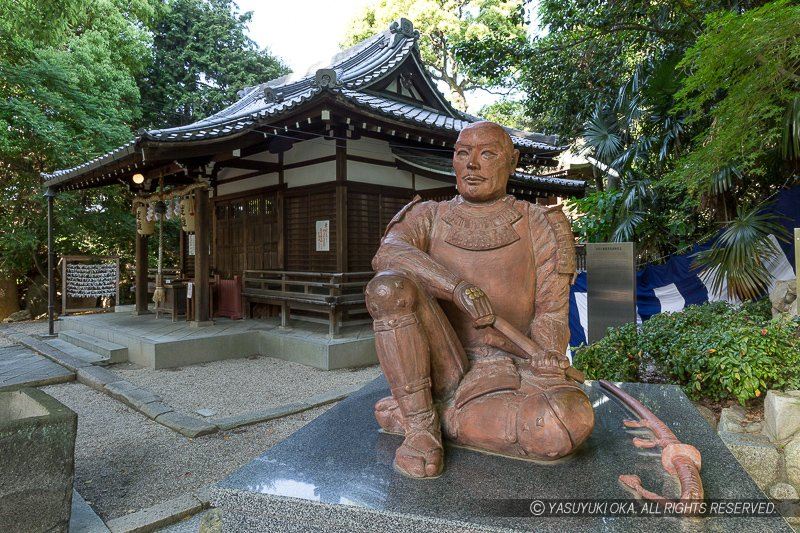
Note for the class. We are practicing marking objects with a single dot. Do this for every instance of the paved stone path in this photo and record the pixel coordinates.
(21, 366)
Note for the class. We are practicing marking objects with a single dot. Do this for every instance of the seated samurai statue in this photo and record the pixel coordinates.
(445, 271)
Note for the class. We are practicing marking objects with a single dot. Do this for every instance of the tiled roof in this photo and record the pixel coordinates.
(346, 77)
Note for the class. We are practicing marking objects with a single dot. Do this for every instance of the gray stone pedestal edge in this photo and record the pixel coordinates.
(246, 512)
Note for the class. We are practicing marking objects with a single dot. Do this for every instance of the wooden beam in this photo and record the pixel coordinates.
(207, 147)
(264, 166)
(310, 162)
(371, 161)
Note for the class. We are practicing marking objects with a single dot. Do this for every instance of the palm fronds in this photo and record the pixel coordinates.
(602, 135)
(740, 254)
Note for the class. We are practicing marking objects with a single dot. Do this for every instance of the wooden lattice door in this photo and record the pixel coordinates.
(261, 233)
(246, 234)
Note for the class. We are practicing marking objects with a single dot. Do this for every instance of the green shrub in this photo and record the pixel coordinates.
(714, 350)
(616, 357)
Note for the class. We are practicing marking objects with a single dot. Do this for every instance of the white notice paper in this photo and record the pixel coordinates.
(323, 235)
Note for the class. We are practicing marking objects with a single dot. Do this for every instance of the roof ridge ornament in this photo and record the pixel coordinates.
(328, 78)
(271, 95)
(400, 29)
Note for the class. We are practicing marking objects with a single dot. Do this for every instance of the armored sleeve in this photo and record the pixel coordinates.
(405, 246)
(555, 268)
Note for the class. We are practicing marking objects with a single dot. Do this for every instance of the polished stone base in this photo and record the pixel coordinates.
(336, 474)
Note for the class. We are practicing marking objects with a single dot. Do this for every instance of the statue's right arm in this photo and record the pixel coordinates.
(405, 245)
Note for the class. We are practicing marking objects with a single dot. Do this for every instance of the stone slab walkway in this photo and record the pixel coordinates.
(20, 366)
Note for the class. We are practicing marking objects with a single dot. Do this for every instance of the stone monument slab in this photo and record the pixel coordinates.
(336, 474)
(37, 450)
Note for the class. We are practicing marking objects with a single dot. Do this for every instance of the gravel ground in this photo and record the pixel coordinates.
(237, 386)
(125, 462)
(29, 327)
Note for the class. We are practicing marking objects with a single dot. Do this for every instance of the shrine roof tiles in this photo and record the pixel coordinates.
(350, 77)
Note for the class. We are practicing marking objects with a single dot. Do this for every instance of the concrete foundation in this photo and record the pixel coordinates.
(161, 343)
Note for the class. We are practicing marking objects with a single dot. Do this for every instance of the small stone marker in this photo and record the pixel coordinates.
(781, 414)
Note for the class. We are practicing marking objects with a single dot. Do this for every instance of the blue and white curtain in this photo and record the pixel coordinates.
(674, 285)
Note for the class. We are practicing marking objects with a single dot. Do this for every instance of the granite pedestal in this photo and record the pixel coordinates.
(336, 474)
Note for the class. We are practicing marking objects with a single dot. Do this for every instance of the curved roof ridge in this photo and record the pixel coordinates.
(342, 61)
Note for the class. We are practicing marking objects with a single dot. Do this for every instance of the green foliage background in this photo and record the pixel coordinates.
(77, 77)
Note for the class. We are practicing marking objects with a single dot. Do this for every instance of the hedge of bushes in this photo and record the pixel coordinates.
(715, 350)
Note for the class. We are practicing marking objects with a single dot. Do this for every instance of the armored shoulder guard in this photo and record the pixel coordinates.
(402, 213)
(565, 241)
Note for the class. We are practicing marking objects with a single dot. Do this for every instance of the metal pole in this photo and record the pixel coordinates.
(51, 282)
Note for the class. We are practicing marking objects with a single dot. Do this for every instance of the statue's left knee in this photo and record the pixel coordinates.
(554, 422)
(390, 294)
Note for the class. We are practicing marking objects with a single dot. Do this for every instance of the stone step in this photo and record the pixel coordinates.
(115, 353)
(78, 353)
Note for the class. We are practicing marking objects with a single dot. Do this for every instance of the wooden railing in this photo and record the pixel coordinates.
(168, 274)
(335, 294)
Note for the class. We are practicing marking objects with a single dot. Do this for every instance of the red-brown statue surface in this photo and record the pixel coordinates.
(449, 274)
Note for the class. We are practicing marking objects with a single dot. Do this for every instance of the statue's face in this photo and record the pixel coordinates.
(484, 158)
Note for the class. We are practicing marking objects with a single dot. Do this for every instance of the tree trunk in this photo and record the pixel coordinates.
(458, 98)
(9, 299)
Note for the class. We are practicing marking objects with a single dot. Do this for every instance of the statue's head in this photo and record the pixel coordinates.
(484, 159)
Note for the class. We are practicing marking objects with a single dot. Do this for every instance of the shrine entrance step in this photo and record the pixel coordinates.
(78, 353)
(111, 352)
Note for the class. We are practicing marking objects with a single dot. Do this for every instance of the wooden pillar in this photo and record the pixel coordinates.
(141, 274)
(51, 255)
(341, 203)
(280, 216)
(202, 259)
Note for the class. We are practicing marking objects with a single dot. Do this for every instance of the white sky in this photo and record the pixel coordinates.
(306, 32)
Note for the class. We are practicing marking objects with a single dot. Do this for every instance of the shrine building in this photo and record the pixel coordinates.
(291, 187)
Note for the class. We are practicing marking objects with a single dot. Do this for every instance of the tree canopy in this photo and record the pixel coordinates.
(73, 75)
(201, 57)
(66, 95)
(466, 44)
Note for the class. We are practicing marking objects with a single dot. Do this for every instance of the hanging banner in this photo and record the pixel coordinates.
(323, 235)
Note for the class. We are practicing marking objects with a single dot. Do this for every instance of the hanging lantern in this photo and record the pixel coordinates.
(144, 225)
(187, 214)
